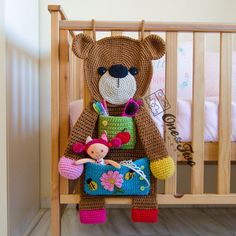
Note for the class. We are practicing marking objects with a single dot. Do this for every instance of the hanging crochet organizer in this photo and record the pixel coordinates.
(118, 70)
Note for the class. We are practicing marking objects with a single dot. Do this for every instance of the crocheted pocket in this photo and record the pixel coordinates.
(133, 178)
(115, 124)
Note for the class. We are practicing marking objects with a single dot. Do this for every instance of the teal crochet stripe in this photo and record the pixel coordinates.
(108, 180)
(115, 124)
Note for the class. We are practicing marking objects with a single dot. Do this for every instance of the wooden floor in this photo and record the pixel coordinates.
(172, 222)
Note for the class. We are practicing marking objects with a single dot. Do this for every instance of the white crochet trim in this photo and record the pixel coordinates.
(130, 164)
(117, 91)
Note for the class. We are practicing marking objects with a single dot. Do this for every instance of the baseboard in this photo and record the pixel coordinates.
(34, 222)
(46, 203)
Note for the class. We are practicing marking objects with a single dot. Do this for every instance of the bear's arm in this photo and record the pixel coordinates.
(150, 136)
(83, 128)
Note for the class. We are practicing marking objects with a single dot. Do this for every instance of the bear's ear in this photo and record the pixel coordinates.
(155, 46)
(81, 45)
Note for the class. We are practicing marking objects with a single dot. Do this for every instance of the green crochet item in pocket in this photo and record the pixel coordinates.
(115, 124)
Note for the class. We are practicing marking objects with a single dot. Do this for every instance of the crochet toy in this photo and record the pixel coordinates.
(95, 148)
(99, 148)
(117, 69)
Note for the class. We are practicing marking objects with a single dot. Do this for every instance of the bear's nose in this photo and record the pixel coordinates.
(118, 71)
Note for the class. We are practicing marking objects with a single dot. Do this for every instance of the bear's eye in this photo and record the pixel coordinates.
(101, 150)
(133, 71)
(92, 152)
(102, 70)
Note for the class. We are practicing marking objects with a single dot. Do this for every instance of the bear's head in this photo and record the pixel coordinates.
(118, 68)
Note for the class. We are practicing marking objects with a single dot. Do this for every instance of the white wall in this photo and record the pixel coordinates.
(150, 10)
(22, 88)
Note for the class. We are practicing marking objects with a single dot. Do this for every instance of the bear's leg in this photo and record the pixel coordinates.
(144, 209)
(92, 210)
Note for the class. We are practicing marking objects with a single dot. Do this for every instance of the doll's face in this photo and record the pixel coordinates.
(97, 151)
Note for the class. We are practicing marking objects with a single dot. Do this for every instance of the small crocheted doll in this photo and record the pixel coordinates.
(95, 148)
(99, 148)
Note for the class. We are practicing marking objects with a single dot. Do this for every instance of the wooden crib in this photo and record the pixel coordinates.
(67, 85)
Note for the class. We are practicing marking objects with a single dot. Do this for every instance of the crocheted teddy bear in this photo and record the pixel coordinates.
(117, 69)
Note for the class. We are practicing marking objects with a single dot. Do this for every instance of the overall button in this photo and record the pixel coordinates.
(104, 122)
(142, 188)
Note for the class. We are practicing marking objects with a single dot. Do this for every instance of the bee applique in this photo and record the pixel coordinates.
(91, 184)
(130, 174)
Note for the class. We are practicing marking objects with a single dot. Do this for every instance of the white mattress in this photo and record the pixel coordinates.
(183, 118)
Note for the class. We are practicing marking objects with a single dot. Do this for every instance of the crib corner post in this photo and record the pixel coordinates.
(55, 180)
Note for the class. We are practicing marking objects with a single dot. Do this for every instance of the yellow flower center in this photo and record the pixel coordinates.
(112, 181)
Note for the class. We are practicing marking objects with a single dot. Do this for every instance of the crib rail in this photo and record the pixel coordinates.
(149, 26)
(68, 85)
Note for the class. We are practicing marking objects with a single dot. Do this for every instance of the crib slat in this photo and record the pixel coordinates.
(116, 33)
(225, 113)
(171, 94)
(64, 101)
(197, 174)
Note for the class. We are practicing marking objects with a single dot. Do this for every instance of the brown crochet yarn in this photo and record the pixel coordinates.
(116, 50)
(130, 53)
(87, 123)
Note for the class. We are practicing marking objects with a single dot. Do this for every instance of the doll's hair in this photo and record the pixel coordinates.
(116, 142)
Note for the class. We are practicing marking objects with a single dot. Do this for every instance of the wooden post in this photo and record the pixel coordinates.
(55, 183)
(225, 104)
(64, 100)
(197, 174)
(171, 95)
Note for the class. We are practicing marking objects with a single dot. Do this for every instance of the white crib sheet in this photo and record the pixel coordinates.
(183, 118)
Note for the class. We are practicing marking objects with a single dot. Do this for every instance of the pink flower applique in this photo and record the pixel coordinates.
(112, 180)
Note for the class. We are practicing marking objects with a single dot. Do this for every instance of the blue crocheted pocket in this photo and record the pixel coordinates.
(133, 178)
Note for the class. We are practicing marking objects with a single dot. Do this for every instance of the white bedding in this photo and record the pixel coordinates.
(183, 118)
